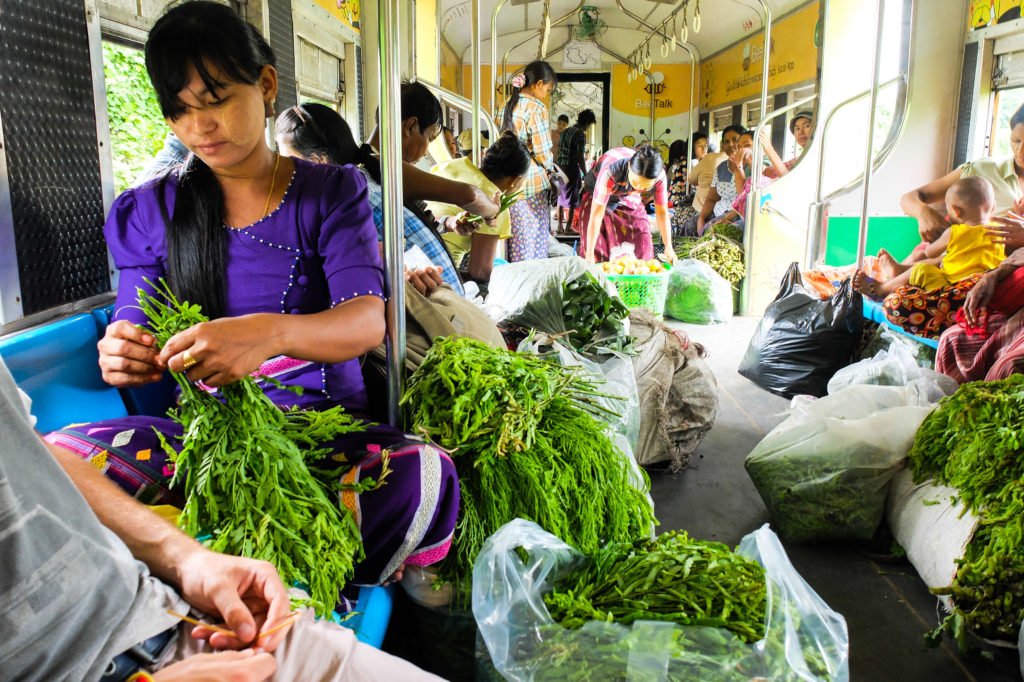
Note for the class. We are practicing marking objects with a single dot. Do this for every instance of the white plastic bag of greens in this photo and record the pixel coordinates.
(824, 472)
(559, 295)
(698, 294)
(803, 640)
(895, 366)
(613, 373)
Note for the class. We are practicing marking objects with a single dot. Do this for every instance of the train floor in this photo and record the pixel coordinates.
(886, 605)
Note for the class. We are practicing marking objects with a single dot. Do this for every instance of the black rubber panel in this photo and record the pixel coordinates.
(965, 105)
(281, 39)
(49, 125)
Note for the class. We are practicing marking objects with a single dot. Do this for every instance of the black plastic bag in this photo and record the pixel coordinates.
(802, 340)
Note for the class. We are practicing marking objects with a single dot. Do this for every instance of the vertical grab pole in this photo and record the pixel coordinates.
(494, 59)
(389, 55)
(475, 47)
(748, 231)
(876, 67)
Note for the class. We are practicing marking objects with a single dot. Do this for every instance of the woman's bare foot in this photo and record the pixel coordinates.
(888, 267)
(865, 285)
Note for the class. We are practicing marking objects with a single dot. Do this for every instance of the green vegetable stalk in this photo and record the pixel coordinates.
(672, 578)
(527, 444)
(594, 317)
(974, 442)
(506, 201)
(250, 475)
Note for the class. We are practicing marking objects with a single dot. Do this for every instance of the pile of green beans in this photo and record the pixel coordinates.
(672, 578)
(974, 442)
(527, 444)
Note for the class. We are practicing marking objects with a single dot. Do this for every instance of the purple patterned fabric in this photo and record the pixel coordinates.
(409, 519)
(315, 250)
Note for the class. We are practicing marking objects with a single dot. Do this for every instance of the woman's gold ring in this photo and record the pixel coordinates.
(188, 361)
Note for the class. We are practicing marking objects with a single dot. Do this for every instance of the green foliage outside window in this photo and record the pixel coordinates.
(137, 128)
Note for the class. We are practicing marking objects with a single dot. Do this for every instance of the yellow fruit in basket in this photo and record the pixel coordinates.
(618, 269)
(643, 270)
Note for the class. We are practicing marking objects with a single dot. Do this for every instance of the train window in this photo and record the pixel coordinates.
(721, 118)
(321, 74)
(1007, 102)
(752, 113)
(137, 128)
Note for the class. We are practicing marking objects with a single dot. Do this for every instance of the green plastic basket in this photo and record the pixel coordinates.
(643, 291)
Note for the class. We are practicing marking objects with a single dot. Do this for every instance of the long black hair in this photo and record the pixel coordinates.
(320, 133)
(533, 73)
(506, 158)
(200, 35)
(677, 152)
(647, 162)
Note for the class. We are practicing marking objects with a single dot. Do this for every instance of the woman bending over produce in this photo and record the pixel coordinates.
(612, 212)
(501, 172)
(282, 256)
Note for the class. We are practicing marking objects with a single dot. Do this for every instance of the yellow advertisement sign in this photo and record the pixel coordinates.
(735, 74)
(984, 13)
(671, 89)
(345, 11)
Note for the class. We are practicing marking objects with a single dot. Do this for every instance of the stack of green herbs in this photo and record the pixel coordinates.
(528, 443)
(593, 317)
(249, 473)
(671, 578)
(974, 442)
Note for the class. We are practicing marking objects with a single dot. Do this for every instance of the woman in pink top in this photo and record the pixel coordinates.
(612, 212)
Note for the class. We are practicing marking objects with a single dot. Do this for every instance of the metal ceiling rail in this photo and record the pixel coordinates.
(460, 102)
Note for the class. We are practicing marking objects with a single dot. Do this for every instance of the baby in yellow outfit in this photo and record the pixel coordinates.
(966, 247)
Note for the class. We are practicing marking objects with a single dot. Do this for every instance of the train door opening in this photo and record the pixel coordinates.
(579, 91)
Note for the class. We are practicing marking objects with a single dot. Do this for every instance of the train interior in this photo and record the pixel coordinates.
(76, 131)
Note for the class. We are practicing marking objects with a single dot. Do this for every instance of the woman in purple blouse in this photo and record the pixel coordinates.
(282, 256)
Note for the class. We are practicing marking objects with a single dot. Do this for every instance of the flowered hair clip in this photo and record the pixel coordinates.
(519, 81)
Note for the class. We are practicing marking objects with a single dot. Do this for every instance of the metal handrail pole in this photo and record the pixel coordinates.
(389, 56)
(876, 66)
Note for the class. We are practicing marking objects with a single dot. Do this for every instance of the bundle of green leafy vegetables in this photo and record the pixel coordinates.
(252, 476)
(974, 442)
(720, 596)
(528, 441)
(593, 317)
(671, 578)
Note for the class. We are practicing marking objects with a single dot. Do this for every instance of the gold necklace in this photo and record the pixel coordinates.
(273, 181)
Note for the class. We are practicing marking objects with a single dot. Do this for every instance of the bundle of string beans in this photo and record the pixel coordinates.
(249, 474)
(974, 442)
(528, 443)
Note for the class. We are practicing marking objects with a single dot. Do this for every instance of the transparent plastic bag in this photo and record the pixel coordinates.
(824, 473)
(698, 294)
(804, 639)
(613, 371)
(531, 294)
(895, 366)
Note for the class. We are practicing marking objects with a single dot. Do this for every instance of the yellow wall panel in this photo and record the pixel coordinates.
(347, 13)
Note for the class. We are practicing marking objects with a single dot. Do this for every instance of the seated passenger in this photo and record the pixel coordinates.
(727, 181)
(501, 172)
(281, 255)
(802, 127)
(317, 133)
(677, 174)
(737, 213)
(701, 171)
(966, 248)
(612, 212)
(1005, 176)
(91, 575)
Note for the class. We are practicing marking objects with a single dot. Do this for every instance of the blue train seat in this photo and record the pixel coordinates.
(874, 312)
(58, 366)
